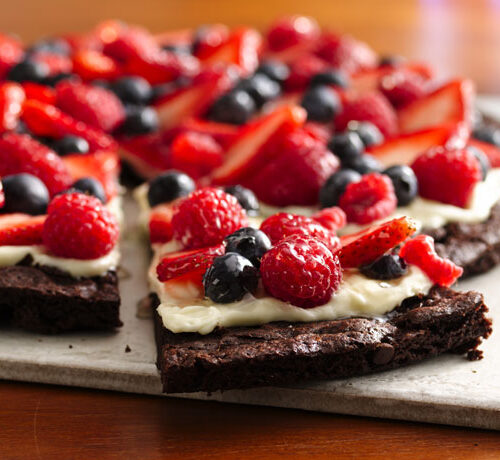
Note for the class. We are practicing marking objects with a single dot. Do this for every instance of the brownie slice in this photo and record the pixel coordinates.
(282, 353)
(474, 247)
(49, 301)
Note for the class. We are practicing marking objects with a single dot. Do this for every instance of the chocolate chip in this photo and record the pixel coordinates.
(383, 354)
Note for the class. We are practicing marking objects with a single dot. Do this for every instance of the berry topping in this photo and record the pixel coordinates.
(321, 103)
(25, 194)
(387, 267)
(346, 145)
(402, 88)
(140, 120)
(78, 226)
(11, 52)
(20, 153)
(93, 65)
(39, 92)
(133, 90)
(365, 247)
(487, 133)
(459, 169)
(301, 270)
(261, 88)
(275, 70)
(368, 132)
(206, 217)
(235, 107)
(302, 70)
(331, 77)
(29, 70)
(90, 186)
(405, 183)
(331, 218)
(335, 185)
(168, 187)
(70, 144)
(21, 230)
(175, 264)
(11, 99)
(370, 199)
(230, 277)
(482, 158)
(246, 198)
(290, 31)
(160, 224)
(364, 164)
(420, 251)
(250, 243)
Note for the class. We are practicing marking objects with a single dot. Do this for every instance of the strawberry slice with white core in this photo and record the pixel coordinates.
(246, 154)
(451, 103)
(368, 245)
(21, 229)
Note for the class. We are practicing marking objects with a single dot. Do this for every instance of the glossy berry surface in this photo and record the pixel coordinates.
(387, 267)
(482, 158)
(402, 88)
(246, 198)
(346, 145)
(230, 277)
(140, 120)
(29, 70)
(168, 187)
(290, 31)
(275, 70)
(24, 193)
(332, 218)
(133, 90)
(301, 270)
(261, 88)
(331, 77)
(364, 164)
(368, 132)
(335, 186)
(321, 104)
(405, 183)
(70, 145)
(235, 107)
(90, 186)
(250, 243)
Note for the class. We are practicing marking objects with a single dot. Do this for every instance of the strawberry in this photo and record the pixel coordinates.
(129, 42)
(56, 63)
(39, 92)
(420, 251)
(21, 229)
(11, 101)
(98, 107)
(490, 150)
(368, 245)
(458, 169)
(224, 134)
(302, 70)
(206, 39)
(160, 224)
(290, 31)
(451, 103)
(249, 153)
(11, 53)
(401, 88)
(2, 196)
(93, 65)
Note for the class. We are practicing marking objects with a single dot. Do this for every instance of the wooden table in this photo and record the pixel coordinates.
(461, 37)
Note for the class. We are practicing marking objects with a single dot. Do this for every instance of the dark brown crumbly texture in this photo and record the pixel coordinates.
(474, 247)
(283, 353)
(49, 301)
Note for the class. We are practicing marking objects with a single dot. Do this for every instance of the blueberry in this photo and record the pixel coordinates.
(140, 120)
(346, 145)
(25, 193)
(391, 60)
(53, 80)
(335, 186)
(321, 103)
(22, 128)
(330, 77)
(487, 133)
(235, 107)
(169, 186)
(133, 90)
(29, 70)
(246, 198)
(368, 132)
(387, 267)
(261, 88)
(50, 45)
(90, 186)
(275, 70)
(70, 144)
(482, 158)
(230, 277)
(364, 164)
(250, 243)
(405, 183)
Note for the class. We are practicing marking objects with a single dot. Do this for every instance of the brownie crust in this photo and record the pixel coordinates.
(282, 353)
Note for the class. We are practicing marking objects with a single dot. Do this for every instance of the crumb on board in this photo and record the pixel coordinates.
(128, 349)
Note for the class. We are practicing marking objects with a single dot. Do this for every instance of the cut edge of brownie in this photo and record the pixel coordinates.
(282, 353)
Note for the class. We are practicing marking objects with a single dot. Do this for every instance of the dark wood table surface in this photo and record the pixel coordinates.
(461, 37)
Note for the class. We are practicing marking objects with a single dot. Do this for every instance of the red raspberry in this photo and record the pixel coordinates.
(20, 153)
(195, 154)
(290, 31)
(11, 52)
(420, 252)
(282, 225)
(206, 217)
(331, 218)
(56, 63)
(401, 88)
(93, 65)
(448, 176)
(301, 270)
(301, 71)
(370, 199)
(296, 175)
(98, 107)
(79, 226)
(130, 41)
(372, 107)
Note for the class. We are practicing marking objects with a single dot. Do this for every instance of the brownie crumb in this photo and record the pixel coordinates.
(128, 349)
(474, 355)
(70, 346)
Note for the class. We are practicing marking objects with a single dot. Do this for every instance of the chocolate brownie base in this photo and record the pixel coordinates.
(48, 301)
(474, 247)
(281, 353)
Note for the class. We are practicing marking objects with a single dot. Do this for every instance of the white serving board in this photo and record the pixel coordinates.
(448, 389)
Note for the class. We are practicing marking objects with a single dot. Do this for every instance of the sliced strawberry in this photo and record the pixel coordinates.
(93, 65)
(181, 263)
(247, 154)
(224, 134)
(11, 101)
(160, 224)
(129, 42)
(490, 150)
(39, 92)
(21, 229)
(368, 245)
(449, 104)
(11, 52)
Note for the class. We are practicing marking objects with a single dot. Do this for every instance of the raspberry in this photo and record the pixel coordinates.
(331, 218)
(78, 226)
(372, 107)
(401, 88)
(290, 31)
(206, 217)
(93, 105)
(458, 169)
(195, 154)
(301, 270)
(370, 199)
(282, 225)
(131, 41)
(302, 70)
(296, 175)
(20, 153)
(420, 252)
